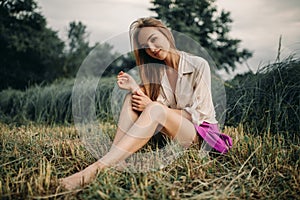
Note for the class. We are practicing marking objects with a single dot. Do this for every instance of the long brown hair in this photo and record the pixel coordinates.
(150, 68)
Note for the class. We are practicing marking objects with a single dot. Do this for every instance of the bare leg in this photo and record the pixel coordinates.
(141, 131)
(126, 119)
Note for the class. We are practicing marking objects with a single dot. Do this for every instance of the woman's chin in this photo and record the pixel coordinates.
(161, 55)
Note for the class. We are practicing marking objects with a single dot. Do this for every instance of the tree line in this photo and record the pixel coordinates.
(32, 53)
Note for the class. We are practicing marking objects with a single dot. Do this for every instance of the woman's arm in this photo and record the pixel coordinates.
(140, 100)
(126, 82)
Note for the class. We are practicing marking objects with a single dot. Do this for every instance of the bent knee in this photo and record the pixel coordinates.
(154, 105)
(156, 110)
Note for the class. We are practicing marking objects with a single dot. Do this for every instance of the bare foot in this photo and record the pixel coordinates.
(81, 178)
(121, 166)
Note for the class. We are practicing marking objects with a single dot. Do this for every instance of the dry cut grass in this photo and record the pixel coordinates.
(33, 157)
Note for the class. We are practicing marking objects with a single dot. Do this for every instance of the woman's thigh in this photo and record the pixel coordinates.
(178, 127)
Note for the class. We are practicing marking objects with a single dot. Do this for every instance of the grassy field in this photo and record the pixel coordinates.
(39, 144)
(33, 157)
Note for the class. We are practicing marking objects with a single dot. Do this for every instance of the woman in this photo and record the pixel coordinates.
(175, 95)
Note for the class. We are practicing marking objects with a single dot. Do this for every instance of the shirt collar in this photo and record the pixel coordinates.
(184, 66)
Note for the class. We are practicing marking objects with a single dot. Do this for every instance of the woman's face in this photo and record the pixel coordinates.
(154, 42)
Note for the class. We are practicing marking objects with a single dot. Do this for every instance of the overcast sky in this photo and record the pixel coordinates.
(258, 23)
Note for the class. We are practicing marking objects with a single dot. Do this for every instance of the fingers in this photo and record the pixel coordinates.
(123, 74)
(137, 107)
(120, 82)
(136, 97)
(122, 79)
(137, 103)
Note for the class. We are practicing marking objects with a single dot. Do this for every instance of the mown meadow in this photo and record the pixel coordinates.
(39, 145)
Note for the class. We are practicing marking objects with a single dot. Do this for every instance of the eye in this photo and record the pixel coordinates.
(144, 46)
(153, 39)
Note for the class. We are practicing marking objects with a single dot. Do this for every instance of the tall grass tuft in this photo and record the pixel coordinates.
(52, 103)
(268, 101)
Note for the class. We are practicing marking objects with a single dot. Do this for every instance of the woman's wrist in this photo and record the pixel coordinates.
(135, 89)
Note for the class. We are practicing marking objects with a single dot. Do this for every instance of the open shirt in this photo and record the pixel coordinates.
(193, 89)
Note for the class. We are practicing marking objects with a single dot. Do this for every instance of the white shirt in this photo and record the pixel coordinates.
(193, 89)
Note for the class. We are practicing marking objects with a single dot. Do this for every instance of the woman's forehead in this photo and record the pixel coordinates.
(145, 33)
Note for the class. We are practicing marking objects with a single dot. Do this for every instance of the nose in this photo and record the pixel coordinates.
(151, 47)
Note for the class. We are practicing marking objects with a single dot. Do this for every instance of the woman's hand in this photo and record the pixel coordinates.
(139, 100)
(126, 82)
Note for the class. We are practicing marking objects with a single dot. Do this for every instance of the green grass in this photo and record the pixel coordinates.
(39, 144)
(268, 101)
(52, 104)
(33, 157)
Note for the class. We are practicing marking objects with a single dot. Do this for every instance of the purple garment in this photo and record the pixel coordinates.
(211, 134)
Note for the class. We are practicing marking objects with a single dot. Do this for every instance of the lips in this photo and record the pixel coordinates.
(156, 52)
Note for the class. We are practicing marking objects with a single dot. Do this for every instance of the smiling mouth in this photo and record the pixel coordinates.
(156, 53)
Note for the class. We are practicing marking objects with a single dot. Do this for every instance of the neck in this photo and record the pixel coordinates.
(172, 60)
